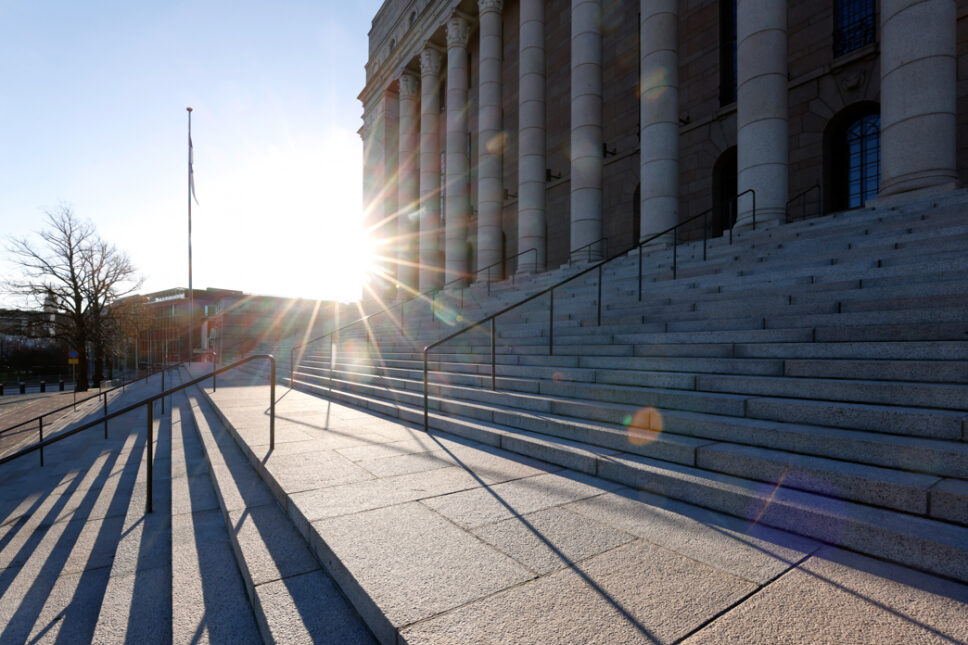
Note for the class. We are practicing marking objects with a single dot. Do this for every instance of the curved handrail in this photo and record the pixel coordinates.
(548, 290)
(803, 194)
(40, 417)
(148, 403)
(735, 204)
(571, 254)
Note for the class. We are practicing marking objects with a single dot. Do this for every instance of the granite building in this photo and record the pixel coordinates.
(581, 127)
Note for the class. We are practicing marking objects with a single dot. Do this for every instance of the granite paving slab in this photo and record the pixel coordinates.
(412, 563)
(551, 539)
(479, 506)
(636, 593)
(839, 597)
(751, 551)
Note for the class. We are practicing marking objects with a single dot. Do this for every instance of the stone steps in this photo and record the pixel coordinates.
(294, 600)
(614, 426)
(932, 545)
(826, 358)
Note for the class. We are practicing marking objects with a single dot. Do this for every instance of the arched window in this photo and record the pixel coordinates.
(853, 25)
(852, 146)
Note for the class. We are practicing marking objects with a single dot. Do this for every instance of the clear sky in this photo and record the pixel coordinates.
(93, 116)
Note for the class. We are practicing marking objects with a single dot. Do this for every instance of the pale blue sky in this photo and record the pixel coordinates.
(93, 115)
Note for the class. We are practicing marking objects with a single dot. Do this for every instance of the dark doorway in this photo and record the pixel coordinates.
(724, 190)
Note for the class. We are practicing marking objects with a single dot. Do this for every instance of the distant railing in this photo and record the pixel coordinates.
(103, 394)
(402, 322)
(148, 403)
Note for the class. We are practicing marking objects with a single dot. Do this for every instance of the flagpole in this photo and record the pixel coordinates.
(191, 294)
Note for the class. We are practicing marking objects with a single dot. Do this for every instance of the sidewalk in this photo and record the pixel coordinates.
(438, 539)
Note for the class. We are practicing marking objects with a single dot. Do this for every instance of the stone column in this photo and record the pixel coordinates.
(389, 213)
(431, 274)
(761, 110)
(531, 136)
(408, 190)
(456, 194)
(918, 95)
(659, 110)
(490, 139)
(586, 126)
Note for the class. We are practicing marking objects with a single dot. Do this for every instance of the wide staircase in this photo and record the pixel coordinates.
(811, 377)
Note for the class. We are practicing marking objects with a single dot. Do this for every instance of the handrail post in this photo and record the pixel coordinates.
(162, 389)
(332, 355)
(426, 405)
(151, 452)
(105, 409)
(41, 440)
(493, 360)
(599, 295)
(675, 253)
(291, 364)
(640, 273)
(272, 404)
(551, 324)
(705, 233)
(754, 208)
(214, 371)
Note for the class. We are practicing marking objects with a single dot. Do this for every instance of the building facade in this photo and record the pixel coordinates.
(579, 127)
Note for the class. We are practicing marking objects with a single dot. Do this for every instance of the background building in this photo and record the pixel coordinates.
(493, 127)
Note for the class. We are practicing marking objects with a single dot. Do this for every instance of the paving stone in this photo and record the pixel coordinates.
(637, 593)
(136, 608)
(479, 506)
(269, 544)
(309, 608)
(411, 445)
(407, 463)
(839, 597)
(38, 610)
(744, 549)
(309, 471)
(308, 506)
(411, 562)
(210, 602)
(551, 539)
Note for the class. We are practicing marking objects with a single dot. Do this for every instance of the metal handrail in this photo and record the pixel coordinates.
(551, 308)
(803, 194)
(571, 254)
(40, 418)
(150, 408)
(734, 202)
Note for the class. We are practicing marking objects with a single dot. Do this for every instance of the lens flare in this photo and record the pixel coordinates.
(644, 426)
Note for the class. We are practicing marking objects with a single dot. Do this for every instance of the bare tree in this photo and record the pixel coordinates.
(74, 275)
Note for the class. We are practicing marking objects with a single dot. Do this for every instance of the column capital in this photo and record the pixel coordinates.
(430, 61)
(485, 6)
(409, 85)
(458, 31)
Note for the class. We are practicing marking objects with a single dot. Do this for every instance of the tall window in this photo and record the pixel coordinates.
(852, 156)
(853, 25)
(863, 156)
(728, 72)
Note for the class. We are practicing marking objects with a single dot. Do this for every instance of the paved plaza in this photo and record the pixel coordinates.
(357, 528)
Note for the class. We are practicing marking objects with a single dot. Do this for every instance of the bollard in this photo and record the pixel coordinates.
(43, 386)
(60, 385)
(23, 387)
(1, 389)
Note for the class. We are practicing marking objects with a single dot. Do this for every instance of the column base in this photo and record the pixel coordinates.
(892, 198)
